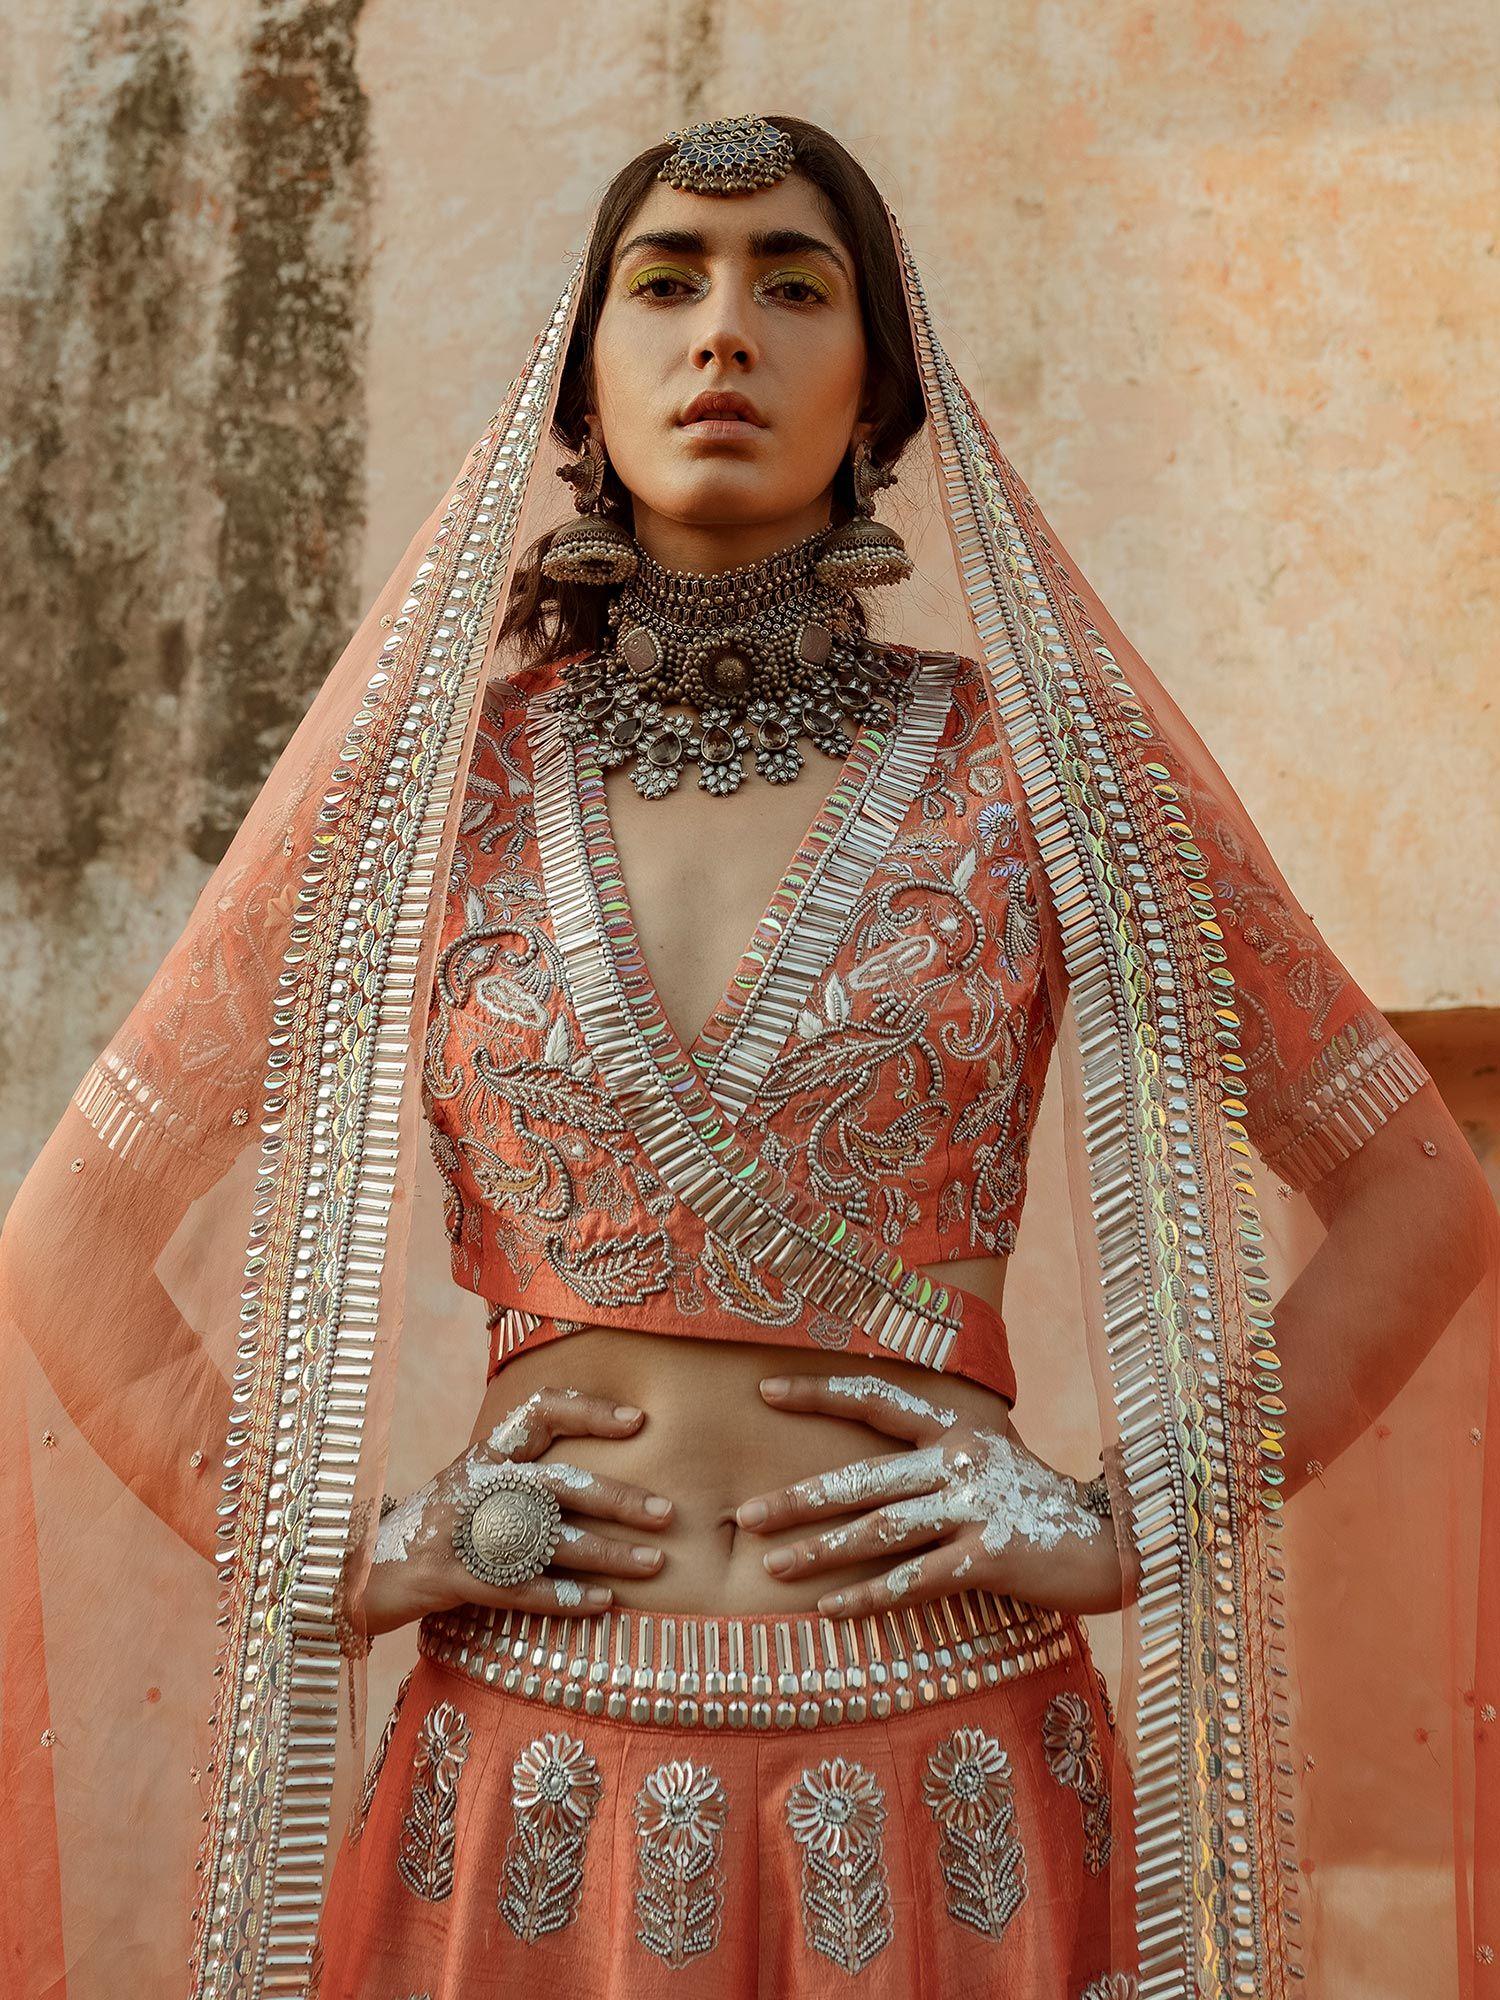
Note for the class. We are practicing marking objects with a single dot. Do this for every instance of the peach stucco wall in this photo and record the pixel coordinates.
(1224, 277)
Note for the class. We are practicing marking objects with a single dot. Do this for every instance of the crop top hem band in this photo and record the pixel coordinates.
(512, 1328)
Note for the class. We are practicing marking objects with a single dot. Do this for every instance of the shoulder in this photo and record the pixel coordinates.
(508, 694)
(966, 676)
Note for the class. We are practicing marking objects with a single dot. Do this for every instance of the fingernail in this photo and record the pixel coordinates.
(751, 1514)
(594, 1595)
(626, 1412)
(658, 1507)
(833, 1603)
(775, 1385)
(779, 1560)
(644, 1553)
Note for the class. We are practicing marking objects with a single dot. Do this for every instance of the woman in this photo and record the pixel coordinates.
(738, 1670)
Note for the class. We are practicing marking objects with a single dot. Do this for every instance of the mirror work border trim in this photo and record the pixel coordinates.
(1186, 1312)
(337, 1073)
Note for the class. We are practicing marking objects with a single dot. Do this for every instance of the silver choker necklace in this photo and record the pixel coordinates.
(707, 669)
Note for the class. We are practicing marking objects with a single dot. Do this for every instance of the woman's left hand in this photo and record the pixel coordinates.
(963, 1508)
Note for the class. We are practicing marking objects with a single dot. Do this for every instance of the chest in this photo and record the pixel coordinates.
(849, 965)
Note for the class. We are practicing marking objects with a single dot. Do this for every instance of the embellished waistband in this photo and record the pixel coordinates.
(687, 1670)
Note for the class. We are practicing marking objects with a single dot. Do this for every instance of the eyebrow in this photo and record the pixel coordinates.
(763, 243)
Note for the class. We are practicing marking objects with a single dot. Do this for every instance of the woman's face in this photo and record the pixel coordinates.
(751, 293)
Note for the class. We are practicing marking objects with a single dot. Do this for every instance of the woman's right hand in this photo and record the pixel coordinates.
(416, 1568)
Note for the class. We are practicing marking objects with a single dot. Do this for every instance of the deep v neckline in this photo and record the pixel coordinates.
(800, 929)
(758, 961)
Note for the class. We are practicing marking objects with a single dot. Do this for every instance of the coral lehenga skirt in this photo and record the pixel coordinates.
(648, 1804)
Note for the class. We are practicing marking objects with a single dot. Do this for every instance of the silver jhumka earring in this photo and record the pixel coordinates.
(864, 550)
(592, 549)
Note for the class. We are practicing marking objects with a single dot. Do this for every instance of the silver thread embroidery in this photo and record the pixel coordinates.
(1073, 1759)
(970, 1793)
(554, 1793)
(836, 1814)
(679, 1892)
(1111, 1986)
(425, 1860)
(377, 1764)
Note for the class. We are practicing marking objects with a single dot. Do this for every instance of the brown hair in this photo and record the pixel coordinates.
(551, 620)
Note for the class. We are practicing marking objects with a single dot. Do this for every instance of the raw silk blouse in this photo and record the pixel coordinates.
(862, 1099)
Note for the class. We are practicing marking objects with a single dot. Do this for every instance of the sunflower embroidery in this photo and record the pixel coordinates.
(680, 1811)
(1074, 1759)
(554, 1792)
(836, 1815)
(970, 1793)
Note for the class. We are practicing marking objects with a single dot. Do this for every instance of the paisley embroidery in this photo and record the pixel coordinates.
(836, 1814)
(1074, 1759)
(425, 1859)
(679, 1892)
(554, 1791)
(970, 1792)
(377, 1764)
(732, 1278)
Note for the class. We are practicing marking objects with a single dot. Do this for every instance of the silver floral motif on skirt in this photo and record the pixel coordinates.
(1111, 1986)
(554, 1793)
(425, 1859)
(836, 1814)
(1074, 1759)
(679, 1890)
(970, 1792)
(377, 1764)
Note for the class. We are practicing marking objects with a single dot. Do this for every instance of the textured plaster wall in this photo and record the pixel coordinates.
(1224, 277)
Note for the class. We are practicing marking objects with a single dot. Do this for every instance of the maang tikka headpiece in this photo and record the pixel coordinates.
(727, 156)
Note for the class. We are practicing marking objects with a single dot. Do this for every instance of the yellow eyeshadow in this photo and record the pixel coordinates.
(654, 271)
(809, 278)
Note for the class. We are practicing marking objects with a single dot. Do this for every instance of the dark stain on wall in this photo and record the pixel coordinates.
(92, 334)
(287, 428)
(182, 432)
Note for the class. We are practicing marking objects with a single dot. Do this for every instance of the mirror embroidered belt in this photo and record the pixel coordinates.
(686, 1671)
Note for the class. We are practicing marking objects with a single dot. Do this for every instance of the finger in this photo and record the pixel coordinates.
(609, 1499)
(547, 1414)
(911, 1582)
(868, 1398)
(899, 1477)
(606, 1555)
(542, 1593)
(887, 1531)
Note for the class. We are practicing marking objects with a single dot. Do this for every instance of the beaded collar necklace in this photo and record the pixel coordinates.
(703, 669)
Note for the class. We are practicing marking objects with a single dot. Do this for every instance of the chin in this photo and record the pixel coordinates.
(728, 503)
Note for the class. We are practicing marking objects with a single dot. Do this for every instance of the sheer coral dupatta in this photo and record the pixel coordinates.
(207, 1290)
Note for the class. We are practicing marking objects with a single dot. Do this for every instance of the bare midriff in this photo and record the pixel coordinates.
(710, 1441)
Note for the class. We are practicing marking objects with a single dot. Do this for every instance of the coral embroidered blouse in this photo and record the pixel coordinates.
(861, 1101)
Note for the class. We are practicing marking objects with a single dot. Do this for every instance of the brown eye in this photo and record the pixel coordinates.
(645, 283)
(797, 288)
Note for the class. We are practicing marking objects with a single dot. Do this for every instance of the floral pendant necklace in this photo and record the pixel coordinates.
(706, 670)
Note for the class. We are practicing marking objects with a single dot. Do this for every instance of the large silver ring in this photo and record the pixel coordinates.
(508, 1531)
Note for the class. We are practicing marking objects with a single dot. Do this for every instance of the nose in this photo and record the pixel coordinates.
(725, 342)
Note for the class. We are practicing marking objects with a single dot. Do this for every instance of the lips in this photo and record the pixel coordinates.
(723, 404)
